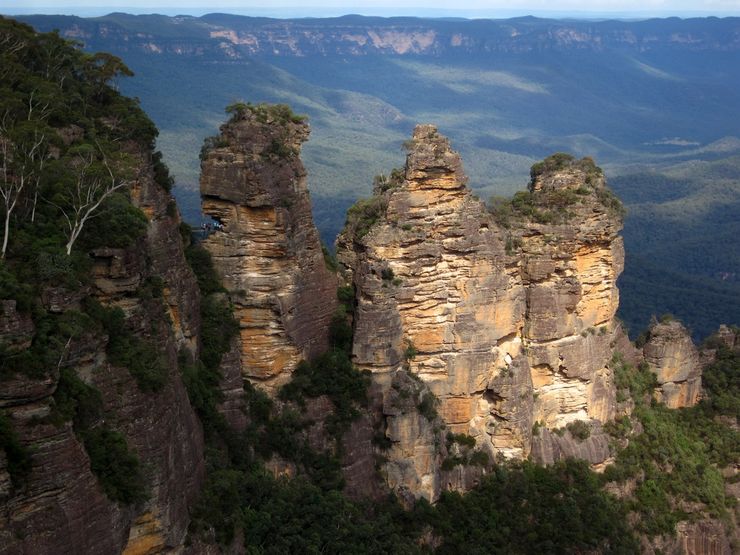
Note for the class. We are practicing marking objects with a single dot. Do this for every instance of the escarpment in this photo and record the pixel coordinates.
(266, 247)
(95, 398)
(506, 320)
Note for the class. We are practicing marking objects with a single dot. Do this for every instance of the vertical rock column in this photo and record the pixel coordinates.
(572, 256)
(438, 298)
(268, 251)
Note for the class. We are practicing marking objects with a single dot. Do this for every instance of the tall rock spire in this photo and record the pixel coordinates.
(268, 250)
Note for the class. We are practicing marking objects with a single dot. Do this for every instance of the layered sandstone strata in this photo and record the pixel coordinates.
(268, 251)
(572, 255)
(504, 326)
(675, 361)
(61, 506)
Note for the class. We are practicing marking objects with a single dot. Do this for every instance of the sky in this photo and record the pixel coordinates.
(428, 8)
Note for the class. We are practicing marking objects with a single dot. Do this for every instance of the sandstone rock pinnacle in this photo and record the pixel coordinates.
(268, 251)
(504, 324)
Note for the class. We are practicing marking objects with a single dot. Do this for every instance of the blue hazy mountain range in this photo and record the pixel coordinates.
(654, 102)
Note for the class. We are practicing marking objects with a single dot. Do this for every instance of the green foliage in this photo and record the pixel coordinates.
(427, 406)
(201, 383)
(75, 400)
(544, 207)
(640, 381)
(461, 439)
(554, 162)
(17, 456)
(330, 374)
(386, 274)
(200, 261)
(47, 347)
(265, 113)
(141, 358)
(127, 350)
(218, 327)
(346, 296)
(410, 351)
(117, 468)
(330, 261)
(119, 224)
(721, 381)
(161, 172)
(611, 202)
(383, 183)
(340, 331)
(525, 508)
(363, 215)
(579, 430)
(210, 143)
(670, 461)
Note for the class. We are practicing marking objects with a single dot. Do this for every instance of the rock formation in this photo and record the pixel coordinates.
(675, 361)
(62, 506)
(503, 325)
(268, 251)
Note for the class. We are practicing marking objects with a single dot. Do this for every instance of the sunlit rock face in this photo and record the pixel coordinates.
(505, 325)
(572, 256)
(268, 251)
(674, 360)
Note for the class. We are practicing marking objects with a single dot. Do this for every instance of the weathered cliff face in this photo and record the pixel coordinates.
(504, 327)
(268, 251)
(60, 506)
(572, 256)
(675, 361)
(234, 37)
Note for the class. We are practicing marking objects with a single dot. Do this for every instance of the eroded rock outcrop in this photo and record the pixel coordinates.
(675, 361)
(502, 325)
(61, 506)
(268, 251)
(572, 256)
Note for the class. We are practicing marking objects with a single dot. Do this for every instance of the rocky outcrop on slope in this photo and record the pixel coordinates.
(502, 326)
(268, 251)
(61, 505)
(675, 361)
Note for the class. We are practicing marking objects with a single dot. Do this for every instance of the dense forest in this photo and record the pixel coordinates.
(70, 146)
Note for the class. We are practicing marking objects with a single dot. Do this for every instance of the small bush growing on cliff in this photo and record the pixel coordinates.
(17, 456)
(579, 430)
(640, 381)
(554, 162)
(116, 467)
(363, 215)
(334, 375)
(125, 349)
(427, 406)
(278, 113)
(200, 261)
(210, 143)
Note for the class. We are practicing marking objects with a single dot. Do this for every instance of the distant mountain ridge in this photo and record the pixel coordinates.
(236, 36)
(648, 99)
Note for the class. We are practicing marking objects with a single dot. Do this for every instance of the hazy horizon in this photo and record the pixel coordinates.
(470, 9)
